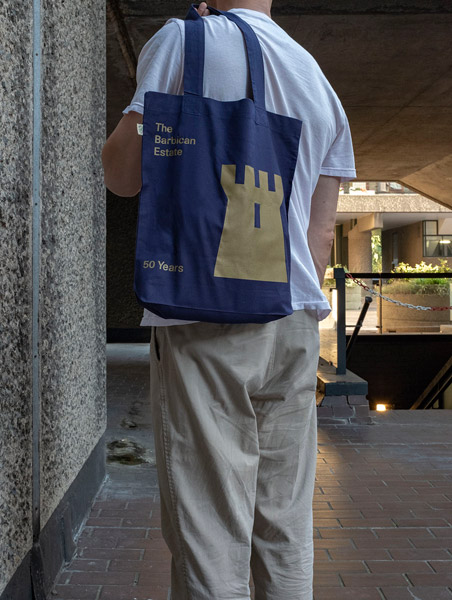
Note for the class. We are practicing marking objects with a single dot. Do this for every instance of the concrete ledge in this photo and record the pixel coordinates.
(331, 384)
(341, 399)
(61, 531)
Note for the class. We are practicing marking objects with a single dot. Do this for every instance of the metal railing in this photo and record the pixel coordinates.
(339, 274)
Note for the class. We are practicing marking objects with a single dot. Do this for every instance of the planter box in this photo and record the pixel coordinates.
(399, 318)
(352, 296)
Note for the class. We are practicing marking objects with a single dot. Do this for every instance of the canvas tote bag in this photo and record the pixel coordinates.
(212, 235)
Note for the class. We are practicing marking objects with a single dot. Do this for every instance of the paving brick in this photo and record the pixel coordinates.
(335, 401)
(154, 579)
(359, 580)
(416, 593)
(109, 522)
(335, 593)
(102, 578)
(326, 522)
(327, 579)
(139, 543)
(398, 566)
(123, 513)
(138, 566)
(411, 533)
(340, 554)
(329, 543)
(358, 400)
(116, 592)
(112, 553)
(324, 411)
(343, 411)
(445, 543)
(441, 566)
(113, 504)
(82, 564)
(119, 533)
(340, 566)
(361, 411)
(430, 579)
(429, 554)
(352, 533)
(442, 532)
(75, 592)
(369, 523)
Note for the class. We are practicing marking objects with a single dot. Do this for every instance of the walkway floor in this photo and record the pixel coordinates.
(383, 506)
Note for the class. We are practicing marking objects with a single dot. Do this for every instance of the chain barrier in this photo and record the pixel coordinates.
(398, 302)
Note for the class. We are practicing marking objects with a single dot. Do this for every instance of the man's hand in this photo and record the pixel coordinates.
(203, 10)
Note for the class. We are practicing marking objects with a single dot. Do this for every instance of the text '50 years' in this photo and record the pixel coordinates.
(162, 266)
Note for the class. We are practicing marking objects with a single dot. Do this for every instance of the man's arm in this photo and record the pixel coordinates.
(121, 157)
(322, 222)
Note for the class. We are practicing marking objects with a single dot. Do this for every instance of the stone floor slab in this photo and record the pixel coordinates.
(383, 506)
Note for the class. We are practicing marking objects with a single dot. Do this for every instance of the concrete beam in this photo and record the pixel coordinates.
(369, 222)
(160, 8)
(389, 62)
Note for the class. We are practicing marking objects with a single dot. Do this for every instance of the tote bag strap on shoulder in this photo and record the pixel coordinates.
(194, 57)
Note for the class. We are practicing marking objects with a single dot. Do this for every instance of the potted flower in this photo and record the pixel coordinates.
(419, 292)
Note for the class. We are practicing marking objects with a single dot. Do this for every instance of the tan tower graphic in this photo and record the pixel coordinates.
(252, 242)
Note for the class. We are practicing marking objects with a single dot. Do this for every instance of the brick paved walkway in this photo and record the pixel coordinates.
(383, 507)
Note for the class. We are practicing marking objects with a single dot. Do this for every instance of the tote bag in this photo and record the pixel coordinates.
(212, 242)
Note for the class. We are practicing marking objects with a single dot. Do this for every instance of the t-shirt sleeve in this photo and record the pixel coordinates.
(159, 66)
(340, 160)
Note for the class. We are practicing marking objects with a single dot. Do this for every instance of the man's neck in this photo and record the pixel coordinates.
(262, 6)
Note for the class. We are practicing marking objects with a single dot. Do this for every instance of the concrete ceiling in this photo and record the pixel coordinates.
(389, 62)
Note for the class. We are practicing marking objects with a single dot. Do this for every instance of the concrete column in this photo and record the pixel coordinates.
(71, 254)
(15, 283)
(359, 250)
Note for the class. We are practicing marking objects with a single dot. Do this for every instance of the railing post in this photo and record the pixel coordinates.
(339, 275)
(380, 307)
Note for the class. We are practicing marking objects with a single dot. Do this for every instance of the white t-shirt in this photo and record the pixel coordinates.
(294, 86)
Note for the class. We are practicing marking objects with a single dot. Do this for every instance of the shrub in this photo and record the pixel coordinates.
(435, 285)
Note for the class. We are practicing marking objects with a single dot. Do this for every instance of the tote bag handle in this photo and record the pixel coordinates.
(194, 56)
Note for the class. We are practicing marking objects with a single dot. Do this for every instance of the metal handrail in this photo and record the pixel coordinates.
(339, 275)
(401, 275)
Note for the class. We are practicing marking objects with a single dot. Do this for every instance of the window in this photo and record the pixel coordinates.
(434, 244)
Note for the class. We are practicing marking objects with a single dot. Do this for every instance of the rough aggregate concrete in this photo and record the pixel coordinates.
(15, 285)
(73, 242)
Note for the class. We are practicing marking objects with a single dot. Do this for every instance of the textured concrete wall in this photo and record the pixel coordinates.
(359, 250)
(73, 240)
(391, 203)
(15, 285)
(72, 292)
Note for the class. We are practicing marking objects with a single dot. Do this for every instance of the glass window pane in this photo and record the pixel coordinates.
(445, 245)
(432, 245)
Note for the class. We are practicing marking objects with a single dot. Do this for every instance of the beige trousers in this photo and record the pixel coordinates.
(234, 418)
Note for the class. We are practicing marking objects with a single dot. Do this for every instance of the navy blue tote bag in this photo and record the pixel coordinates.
(212, 241)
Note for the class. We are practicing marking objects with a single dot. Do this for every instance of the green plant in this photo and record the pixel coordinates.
(375, 242)
(435, 285)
